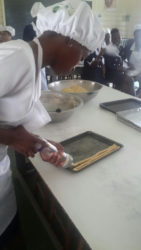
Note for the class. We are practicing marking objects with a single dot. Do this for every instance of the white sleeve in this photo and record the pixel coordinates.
(17, 79)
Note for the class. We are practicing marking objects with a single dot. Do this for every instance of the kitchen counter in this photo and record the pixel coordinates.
(104, 200)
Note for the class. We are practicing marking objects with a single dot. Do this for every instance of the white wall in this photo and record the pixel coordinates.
(126, 14)
(116, 18)
(1, 12)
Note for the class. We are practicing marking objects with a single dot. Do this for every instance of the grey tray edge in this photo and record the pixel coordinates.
(105, 105)
(128, 123)
(102, 137)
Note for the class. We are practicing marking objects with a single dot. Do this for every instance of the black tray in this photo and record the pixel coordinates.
(121, 105)
(85, 145)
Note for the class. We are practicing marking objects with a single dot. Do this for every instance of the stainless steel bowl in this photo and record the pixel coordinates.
(60, 106)
(92, 88)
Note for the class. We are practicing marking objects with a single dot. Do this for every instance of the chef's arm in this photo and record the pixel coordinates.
(20, 140)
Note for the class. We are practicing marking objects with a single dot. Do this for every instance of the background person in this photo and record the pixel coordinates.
(6, 33)
(107, 40)
(94, 64)
(114, 70)
(133, 56)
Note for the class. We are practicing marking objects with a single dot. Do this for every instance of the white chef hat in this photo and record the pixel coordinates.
(36, 7)
(137, 27)
(10, 29)
(74, 19)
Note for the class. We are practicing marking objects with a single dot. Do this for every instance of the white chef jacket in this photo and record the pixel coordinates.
(19, 105)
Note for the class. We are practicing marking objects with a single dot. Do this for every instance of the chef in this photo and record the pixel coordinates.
(68, 32)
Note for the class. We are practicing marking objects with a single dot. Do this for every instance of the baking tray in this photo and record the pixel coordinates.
(121, 105)
(85, 145)
(131, 118)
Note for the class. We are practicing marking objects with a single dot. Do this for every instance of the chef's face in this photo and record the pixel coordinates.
(68, 56)
(5, 36)
(137, 36)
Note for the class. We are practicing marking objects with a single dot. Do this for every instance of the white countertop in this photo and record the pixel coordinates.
(104, 200)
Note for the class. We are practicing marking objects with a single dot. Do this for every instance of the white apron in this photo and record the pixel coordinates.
(20, 107)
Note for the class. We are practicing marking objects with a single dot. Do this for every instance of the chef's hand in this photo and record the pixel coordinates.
(24, 142)
(53, 157)
(57, 145)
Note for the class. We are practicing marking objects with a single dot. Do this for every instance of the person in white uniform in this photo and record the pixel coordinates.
(6, 33)
(68, 33)
(133, 55)
(114, 70)
(107, 39)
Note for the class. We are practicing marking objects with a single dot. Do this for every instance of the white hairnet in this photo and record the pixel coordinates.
(137, 27)
(74, 19)
(36, 7)
(10, 29)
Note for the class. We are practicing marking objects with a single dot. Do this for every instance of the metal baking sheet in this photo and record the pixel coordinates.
(121, 105)
(131, 118)
(85, 145)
